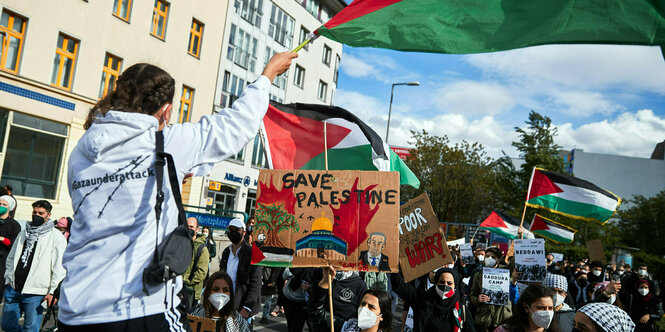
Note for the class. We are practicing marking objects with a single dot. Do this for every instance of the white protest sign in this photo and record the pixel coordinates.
(467, 253)
(521, 287)
(456, 242)
(530, 259)
(496, 285)
(557, 257)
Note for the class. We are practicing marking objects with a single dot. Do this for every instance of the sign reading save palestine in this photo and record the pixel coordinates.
(477, 26)
(570, 196)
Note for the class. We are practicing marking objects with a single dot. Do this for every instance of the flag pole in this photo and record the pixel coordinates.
(330, 295)
(528, 191)
(310, 38)
(325, 142)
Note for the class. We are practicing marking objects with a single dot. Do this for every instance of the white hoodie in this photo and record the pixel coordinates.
(112, 185)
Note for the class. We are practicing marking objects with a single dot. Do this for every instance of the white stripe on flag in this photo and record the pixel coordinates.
(581, 195)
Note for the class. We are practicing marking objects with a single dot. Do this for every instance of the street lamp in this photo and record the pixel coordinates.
(390, 109)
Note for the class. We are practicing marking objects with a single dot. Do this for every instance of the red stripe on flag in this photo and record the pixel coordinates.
(357, 9)
(539, 224)
(542, 185)
(295, 140)
(494, 220)
(257, 254)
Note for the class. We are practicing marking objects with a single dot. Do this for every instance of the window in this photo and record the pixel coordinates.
(299, 76)
(250, 206)
(34, 153)
(223, 199)
(64, 62)
(281, 27)
(122, 8)
(110, 73)
(242, 48)
(186, 104)
(327, 53)
(160, 14)
(323, 90)
(195, 37)
(240, 156)
(312, 7)
(336, 73)
(250, 10)
(12, 34)
(303, 35)
(258, 155)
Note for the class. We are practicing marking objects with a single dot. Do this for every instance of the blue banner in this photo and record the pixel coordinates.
(211, 220)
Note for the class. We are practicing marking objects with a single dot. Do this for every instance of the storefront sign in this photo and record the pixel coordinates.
(246, 181)
(210, 220)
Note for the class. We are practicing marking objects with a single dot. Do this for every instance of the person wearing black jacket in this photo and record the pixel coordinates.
(347, 290)
(440, 308)
(644, 307)
(9, 229)
(236, 260)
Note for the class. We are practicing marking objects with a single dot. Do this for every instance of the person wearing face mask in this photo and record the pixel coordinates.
(578, 289)
(34, 270)
(217, 304)
(236, 260)
(347, 289)
(607, 292)
(374, 313)
(564, 315)
(488, 316)
(195, 275)
(602, 317)
(644, 308)
(533, 312)
(9, 229)
(439, 308)
(596, 273)
(210, 242)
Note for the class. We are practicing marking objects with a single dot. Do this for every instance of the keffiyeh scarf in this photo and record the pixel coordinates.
(32, 234)
(609, 317)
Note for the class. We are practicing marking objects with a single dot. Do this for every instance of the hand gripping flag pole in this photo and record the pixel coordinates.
(310, 38)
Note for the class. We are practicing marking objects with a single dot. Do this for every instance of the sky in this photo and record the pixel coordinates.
(602, 98)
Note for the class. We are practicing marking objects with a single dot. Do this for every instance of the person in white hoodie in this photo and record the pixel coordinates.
(111, 178)
(33, 271)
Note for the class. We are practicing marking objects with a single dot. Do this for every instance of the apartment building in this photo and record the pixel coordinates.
(57, 58)
(255, 30)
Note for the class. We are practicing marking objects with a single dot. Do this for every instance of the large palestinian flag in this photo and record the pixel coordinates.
(570, 196)
(294, 137)
(552, 230)
(504, 225)
(476, 26)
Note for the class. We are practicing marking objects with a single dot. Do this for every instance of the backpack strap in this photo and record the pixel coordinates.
(199, 251)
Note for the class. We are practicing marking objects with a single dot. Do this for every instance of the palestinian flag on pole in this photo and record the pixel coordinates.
(552, 230)
(477, 26)
(293, 139)
(504, 225)
(570, 196)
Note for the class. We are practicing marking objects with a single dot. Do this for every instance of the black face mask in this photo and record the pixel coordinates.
(582, 282)
(37, 220)
(234, 237)
(250, 229)
(444, 288)
(575, 330)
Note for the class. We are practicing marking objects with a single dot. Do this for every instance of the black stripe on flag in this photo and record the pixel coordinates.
(577, 182)
(324, 112)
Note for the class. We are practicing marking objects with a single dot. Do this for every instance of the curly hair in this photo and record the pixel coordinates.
(142, 88)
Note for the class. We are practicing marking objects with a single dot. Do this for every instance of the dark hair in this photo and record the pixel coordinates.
(229, 308)
(9, 188)
(520, 319)
(385, 305)
(44, 204)
(496, 251)
(142, 88)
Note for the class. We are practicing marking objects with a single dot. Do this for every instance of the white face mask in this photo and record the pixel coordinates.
(481, 258)
(642, 272)
(643, 291)
(542, 318)
(366, 318)
(558, 300)
(596, 273)
(620, 272)
(490, 262)
(612, 299)
(219, 300)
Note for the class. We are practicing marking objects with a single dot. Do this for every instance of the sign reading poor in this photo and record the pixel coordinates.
(308, 218)
(422, 247)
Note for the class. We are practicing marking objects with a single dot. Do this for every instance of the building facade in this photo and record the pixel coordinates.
(256, 30)
(58, 58)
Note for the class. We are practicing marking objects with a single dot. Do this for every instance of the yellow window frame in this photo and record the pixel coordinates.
(185, 100)
(195, 31)
(110, 71)
(9, 32)
(117, 14)
(64, 54)
(161, 10)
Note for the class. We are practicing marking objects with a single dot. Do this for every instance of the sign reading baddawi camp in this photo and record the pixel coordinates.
(422, 247)
(530, 259)
(309, 218)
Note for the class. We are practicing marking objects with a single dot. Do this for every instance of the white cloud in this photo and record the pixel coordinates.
(630, 134)
(579, 103)
(472, 97)
(381, 68)
(357, 68)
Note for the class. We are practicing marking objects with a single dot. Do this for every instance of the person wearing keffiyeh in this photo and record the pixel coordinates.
(34, 270)
(600, 316)
(441, 307)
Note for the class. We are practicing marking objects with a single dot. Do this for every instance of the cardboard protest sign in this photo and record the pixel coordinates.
(496, 285)
(422, 247)
(557, 257)
(201, 324)
(595, 248)
(530, 259)
(467, 253)
(310, 218)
